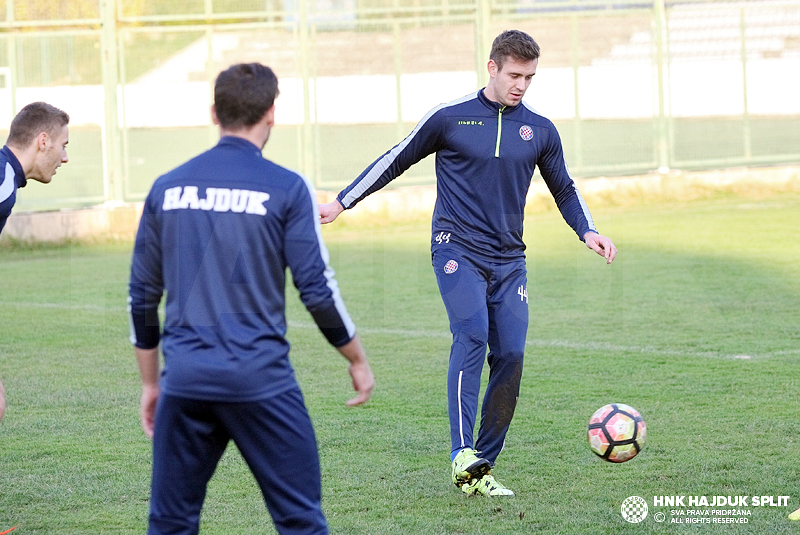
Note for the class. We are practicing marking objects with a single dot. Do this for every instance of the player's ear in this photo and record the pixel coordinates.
(42, 140)
(214, 114)
(492, 68)
(270, 116)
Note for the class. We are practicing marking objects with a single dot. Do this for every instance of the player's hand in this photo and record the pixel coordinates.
(330, 211)
(600, 245)
(363, 382)
(147, 409)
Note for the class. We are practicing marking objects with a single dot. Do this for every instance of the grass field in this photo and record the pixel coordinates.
(696, 325)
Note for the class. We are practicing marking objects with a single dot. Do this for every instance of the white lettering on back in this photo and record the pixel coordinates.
(217, 199)
(256, 204)
(172, 197)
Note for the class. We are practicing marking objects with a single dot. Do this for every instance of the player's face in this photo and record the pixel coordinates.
(507, 85)
(51, 156)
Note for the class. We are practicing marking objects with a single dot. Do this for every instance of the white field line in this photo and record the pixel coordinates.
(61, 306)
(407, 333)
(582, 346)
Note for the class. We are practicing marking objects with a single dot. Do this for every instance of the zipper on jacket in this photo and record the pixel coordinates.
(499, 129)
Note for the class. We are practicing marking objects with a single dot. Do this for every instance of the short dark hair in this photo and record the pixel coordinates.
(516, 44)
(32, 120)
(243, 93)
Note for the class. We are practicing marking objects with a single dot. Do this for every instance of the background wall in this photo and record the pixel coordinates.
(632, 86)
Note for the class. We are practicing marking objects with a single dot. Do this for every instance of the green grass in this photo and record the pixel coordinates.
(697, 286)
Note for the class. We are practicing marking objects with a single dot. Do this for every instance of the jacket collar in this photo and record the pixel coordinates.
(238, 142)
(19, 177)
(495, 106)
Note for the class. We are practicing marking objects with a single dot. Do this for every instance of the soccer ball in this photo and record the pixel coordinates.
(616, 432)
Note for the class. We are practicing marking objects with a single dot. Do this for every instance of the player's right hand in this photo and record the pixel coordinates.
(330, 211)
(147, 408)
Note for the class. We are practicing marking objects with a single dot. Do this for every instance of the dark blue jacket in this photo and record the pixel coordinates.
(217, 234)
(11, 178)
(485, 159)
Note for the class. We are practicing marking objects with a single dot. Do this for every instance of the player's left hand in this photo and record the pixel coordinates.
(600, 245)
(363, 382)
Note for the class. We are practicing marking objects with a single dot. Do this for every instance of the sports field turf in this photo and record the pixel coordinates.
(696, 325)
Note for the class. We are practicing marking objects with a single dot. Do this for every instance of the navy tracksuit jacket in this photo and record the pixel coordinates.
(485, 158)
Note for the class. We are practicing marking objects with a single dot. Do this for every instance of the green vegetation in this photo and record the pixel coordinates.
(695, 325)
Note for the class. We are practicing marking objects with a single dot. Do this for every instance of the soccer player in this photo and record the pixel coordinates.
(487, 145)
(217, 234)
(35, 148)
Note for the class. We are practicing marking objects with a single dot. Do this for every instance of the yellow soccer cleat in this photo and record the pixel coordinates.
(795, 515)
(486, 486)
(468, 466)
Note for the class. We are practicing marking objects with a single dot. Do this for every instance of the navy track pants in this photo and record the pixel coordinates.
(487, 305)
(276, 439)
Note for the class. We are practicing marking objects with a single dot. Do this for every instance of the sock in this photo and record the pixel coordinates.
(454, 453)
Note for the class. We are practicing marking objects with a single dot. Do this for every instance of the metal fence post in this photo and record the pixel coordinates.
(483, 16)
(112, 162)
(748, 148)
(307, 148)
(12, 57)
(397, 54)
(211, 75)
(576, 65)
(662, 138)
(125, 152)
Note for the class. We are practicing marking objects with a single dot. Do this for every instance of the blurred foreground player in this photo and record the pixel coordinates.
(487, 145)
(217, 234)
(35, 148)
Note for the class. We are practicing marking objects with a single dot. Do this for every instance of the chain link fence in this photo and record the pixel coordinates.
(632, 86)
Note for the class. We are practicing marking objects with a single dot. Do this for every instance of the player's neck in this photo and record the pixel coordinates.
(25, 157)
(258, 134)
(256, 138)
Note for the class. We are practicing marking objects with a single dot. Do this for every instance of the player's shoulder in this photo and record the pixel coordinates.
(439, 116)
(282, 177)
(8, 163)
(453, 107)
(467, 100)
(534, 116)
(221, 163)
(229, 167)
(4, 176)
(460, 104)
(174, 176)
